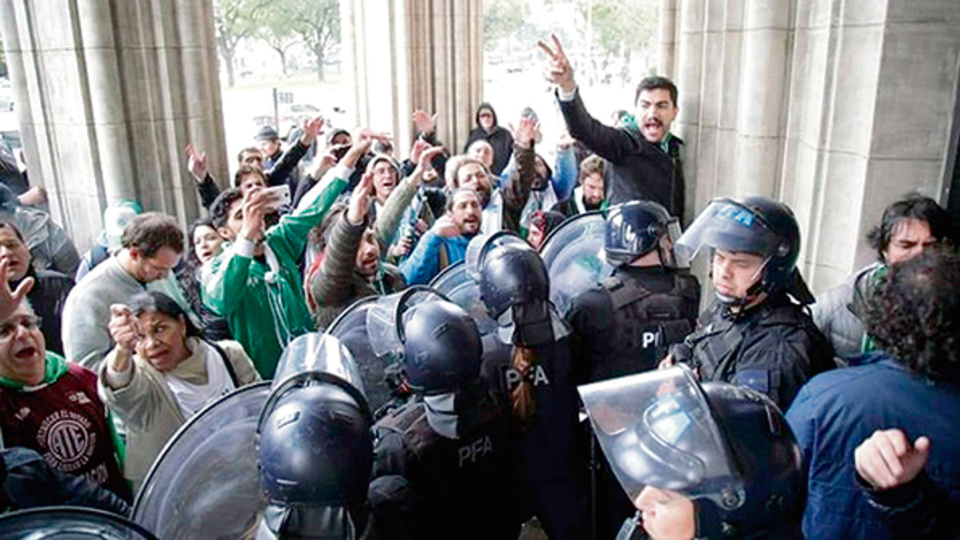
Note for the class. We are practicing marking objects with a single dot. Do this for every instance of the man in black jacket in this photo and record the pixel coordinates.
(500, 139)
(644, 154)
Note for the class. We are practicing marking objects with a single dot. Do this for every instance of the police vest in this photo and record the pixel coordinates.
(648, 322)
(456, 480)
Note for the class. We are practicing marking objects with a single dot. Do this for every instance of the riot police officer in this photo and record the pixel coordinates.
(315, 455)
(626, 325)
(757, 332)
(446, 451)
(529, 365)
(716, 461)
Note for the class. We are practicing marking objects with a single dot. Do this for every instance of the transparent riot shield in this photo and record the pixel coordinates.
(204, 484)
(458, 283)
(573, 255)
(350, 329)
(318, 352)
(69, 523)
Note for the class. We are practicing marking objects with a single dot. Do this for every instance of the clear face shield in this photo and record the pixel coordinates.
(386, 317)
(320, 353)
(728, 225)
(656, 429)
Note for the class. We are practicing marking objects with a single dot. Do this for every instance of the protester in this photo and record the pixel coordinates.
(161, 372)
(908, 227)
(49, 245)
(255, 282)
(644, 154)
(911, 386)
(499, 139)
(152, 244)
(50, 405)
(446, 242)
(589, 195)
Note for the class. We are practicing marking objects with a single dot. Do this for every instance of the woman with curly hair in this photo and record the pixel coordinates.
(912, 387)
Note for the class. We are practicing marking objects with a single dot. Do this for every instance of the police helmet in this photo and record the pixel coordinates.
(441, 347)
(725, 447)
(314, 442)
(515, 289)
(756, 225)
(635, 228)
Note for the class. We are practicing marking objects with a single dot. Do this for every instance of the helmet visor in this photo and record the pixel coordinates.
(728, 225)
(462, 289)
(384, 316)
(574, 258)
(321, 353)
(656, 429)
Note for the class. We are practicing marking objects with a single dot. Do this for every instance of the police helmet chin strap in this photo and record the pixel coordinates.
(755, 294)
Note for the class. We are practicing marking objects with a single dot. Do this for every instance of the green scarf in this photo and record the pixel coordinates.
(868, 344)
(54, 368)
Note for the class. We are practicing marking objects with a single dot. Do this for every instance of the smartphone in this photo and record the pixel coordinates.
(278, 197)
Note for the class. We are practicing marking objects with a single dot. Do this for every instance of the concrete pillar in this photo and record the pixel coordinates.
(110, 93)
(433, 63)
(667, 53)
(689, 78)
(762, 81)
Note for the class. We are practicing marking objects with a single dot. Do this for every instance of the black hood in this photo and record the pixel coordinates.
(485, 106)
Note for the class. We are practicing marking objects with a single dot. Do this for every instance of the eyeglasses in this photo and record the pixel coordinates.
(29, 323)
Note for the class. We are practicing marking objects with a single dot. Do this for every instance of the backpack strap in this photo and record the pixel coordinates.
(226, 362)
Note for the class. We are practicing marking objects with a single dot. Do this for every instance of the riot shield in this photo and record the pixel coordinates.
(69, 523)
(573, 255)
(318, 352)
(350, 329)
(204, 484)
(458, 284)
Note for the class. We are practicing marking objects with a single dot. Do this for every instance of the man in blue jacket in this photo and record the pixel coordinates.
(446, 242)
(914, 387)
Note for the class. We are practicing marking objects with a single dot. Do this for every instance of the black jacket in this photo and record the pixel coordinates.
(773, 348)
(28, 482)
(641, 170)
(500, 139)
(48, 295)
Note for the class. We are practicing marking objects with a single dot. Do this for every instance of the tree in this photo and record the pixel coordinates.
(236, 20)
(275, 30)
(3, 59)
(502, 18)
(317, 22)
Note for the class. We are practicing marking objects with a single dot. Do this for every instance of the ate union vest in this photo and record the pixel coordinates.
(66, 423)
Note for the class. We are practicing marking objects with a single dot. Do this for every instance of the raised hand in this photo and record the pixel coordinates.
(361, 145)
(444, 226)
(10, 300)
(254, 207)
(123, 328)
(360, 200)
(527, 132)
(196, 162)
(424, 163)
(424, 123)
(419, 146)
(311, 128)
(561, 72)
(887, 459)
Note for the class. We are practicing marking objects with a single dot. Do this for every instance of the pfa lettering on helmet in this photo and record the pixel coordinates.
(478, 449)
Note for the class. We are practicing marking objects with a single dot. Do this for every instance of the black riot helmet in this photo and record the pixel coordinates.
(441, 346)
(635, 228)
(515, 288)
(725, 447)
(314, 443)
(756, 225)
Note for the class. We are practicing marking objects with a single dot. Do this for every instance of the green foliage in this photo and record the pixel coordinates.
(274, 30)
(626, 24)
(3, 59)
(317, 23)
(236, 20)
(502, 17)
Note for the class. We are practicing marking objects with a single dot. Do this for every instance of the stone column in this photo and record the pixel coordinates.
(667, 54)
(110, 93)
(433, 63)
